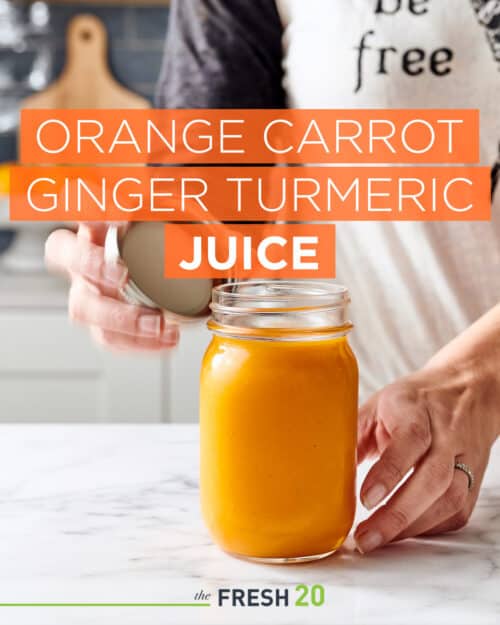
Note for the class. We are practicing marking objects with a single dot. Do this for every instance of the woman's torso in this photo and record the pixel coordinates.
(414, 285)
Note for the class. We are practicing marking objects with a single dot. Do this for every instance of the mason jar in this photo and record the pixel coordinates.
(278, 419)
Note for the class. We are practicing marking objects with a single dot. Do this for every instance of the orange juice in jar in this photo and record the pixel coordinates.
(278, 415)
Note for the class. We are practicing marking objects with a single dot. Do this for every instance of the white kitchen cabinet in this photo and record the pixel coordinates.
(185, 372)
(51, 371)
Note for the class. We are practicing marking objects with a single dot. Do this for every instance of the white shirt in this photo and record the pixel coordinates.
(414, 286)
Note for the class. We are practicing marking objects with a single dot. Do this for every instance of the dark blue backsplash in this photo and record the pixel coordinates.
(136, 37)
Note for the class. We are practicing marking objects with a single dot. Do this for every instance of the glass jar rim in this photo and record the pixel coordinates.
(314, 293)
(280, 309)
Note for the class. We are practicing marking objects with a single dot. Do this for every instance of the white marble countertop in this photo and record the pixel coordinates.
(109, 514)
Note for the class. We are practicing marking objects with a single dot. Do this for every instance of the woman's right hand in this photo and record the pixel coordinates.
(94, 296)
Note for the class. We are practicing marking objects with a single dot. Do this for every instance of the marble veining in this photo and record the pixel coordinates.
(102, 514)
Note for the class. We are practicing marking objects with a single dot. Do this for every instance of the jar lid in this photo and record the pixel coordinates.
(141, 248)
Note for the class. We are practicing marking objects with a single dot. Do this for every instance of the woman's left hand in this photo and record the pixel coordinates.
(427, 422)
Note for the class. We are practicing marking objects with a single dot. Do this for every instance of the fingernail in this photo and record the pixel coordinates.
(115, 273)
(368, 541)
(149, 325)
(374, 496)
(169, 335)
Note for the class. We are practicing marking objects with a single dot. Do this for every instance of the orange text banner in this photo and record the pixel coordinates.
(221, 136)
(249, 251)
(250, 193)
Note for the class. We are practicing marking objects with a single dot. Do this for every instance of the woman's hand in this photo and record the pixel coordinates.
(94, 298)
(426, 422)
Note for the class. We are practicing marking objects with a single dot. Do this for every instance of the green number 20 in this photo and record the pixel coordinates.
(316, 592)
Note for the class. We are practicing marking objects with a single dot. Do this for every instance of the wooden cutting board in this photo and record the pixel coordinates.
(86, 81)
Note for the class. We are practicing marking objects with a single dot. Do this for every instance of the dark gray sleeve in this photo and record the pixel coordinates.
(222, 54)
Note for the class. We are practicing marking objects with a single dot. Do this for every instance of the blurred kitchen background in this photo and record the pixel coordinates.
(49, 369)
